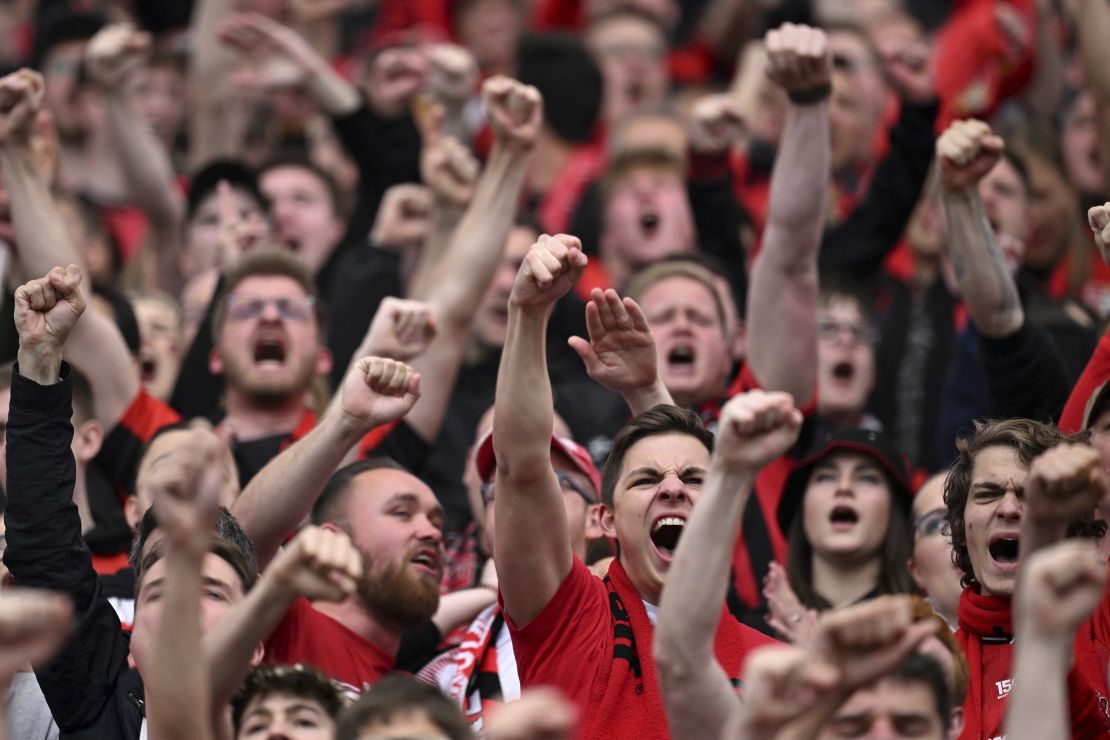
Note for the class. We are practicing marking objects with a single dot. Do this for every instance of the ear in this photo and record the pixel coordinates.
(956, 726)
(593, 523)
(258, 654)
(215, 362)
(739, 343)
(131, 512)
(911, 566)
(323, 361)
(606, 521)
(131, 661)
(87, 440)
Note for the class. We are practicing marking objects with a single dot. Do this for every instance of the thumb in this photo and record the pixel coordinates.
(1099, 217)
(414, 387)
(584, 349)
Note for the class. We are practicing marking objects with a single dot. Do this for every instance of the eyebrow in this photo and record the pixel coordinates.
(651, 471)
(412, 499)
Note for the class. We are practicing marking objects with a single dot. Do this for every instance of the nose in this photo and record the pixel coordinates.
(429, 532)
(672, 489)
(270, 312)
(1009, 507)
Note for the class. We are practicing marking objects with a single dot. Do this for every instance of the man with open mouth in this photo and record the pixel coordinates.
(1016, 487)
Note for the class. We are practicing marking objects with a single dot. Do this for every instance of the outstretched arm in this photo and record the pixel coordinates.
(96, 347)
(756, 428)
(1057, 589)
(532, 546)
(782, 296)
(967, 151)
(375, 392)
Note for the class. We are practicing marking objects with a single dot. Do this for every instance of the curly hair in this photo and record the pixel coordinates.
(1029, 439)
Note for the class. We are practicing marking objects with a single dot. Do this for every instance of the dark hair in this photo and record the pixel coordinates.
(640, 158)
(1028, 439)
(662, 419)
(919, 668)
(840, 287)
(237, 174)
(297, 680)
(266, 262)
(894, 576)
(568, 78)
(400, 695)
(231, 543)
(331, 505)
(632, 12)
(123, 314)
(335, 195)
(57, 26)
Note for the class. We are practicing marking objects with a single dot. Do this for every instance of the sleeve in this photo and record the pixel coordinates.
(46, 550)
(197, 391)
(386, 152)
(565, 644)
(859, 244)
(1094, 374)
(1025, 374)
(719, 217)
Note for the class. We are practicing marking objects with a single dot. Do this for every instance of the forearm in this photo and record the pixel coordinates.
(42, 240)
(278, 499)
(783, 288)
(1038, 705)
(461, 607)
(335, 95)
(445, 224)
(1093, 28)
(146, 165)
(230, 647)
(524, 412)
(986, 286)
(640, 400)
(177, 699)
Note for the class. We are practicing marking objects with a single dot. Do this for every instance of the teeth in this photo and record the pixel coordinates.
(668, 521)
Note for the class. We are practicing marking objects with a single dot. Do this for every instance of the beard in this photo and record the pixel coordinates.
(269, 392)
(399, 595)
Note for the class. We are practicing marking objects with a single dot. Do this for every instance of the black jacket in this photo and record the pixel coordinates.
(90, 689)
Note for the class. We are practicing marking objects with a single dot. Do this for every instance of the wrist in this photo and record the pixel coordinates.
(647, 397)
(345, 429)
(810, 96)
(43, 365)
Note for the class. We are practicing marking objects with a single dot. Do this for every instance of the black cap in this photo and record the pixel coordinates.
(238, 175)
(876, 445)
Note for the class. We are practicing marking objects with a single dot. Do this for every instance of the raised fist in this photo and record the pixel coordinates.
(716, 124)
(620, 354)
(540, 714)
(909, 68)
(549, 270)
(115, 54)
(780, 684)
(377, 391)
(271, 55)
(47, 309)
(1099, 218)
(450, 170)
(756, 428)
(33, 625)
(452, 72)
(396, 75)
(1059, 587)
(401, 330)
(404, 217)
(319, 564)
(867, 640)
(237, 232)
(185, 485)
(20, 100)
(1064, 483)
(514, 110)
(967, 151)
(798, 58)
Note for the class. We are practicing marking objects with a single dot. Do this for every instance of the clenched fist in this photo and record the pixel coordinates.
(549, 270)
(185, 485)
(401, 330)
(756, 428)
(1058, 588)
(46, 310)
(514, 110)
(1099, 219)
(967, 151)
(798, 58)
(716, 124)
(21, 95)
(377, 391)
(319, 564)
(1064, 484)
(115, 54)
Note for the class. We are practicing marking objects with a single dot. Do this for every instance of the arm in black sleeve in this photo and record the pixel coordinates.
(386, 152)
(859, 244)
(1025, 374)
(46, 550)
(718, 216)
(197, 391)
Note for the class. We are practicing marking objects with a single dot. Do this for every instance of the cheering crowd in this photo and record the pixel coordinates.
(365, 363)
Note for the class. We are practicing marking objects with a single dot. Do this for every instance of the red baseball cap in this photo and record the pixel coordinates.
(576, 453)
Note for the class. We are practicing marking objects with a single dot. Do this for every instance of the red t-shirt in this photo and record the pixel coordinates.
(308, 636)
(593, 641)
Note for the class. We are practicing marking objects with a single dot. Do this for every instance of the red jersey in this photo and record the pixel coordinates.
(986, 637)
(593, 641)
(308, 636)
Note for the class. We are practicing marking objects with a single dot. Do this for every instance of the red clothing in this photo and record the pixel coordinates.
(306, 635)
(985, 636)
(124, 444)
(1094, 375)
(593, 641)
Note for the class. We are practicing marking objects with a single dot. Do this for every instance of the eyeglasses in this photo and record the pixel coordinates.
(931, 523)
(566, 483)
(290, 309)
(829, 330)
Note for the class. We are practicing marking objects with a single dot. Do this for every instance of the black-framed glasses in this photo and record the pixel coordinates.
(291, 309)
(930, 523)
(566, 483)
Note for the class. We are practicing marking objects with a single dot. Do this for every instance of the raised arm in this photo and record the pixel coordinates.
(967, 151)
(375, 392)
(113, 58)
(1057, 589)
(532, 549)
(185, 485)
(756, 428)
(1093, 25)
(42, 242)
(620, 354)
(782, 295)
(1064, 485)
(319, 565)
(463, 276)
